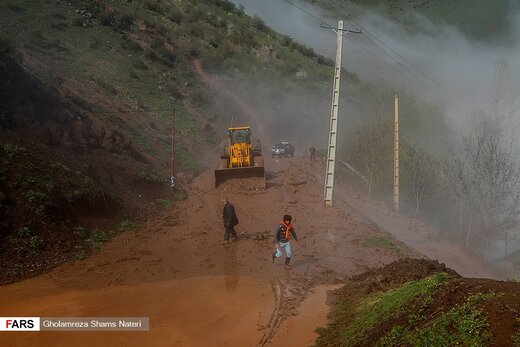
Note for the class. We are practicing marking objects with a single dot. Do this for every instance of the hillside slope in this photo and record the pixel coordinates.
(88, 92)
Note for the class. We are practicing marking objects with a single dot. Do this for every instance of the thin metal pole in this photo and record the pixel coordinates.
(331, 150)
(172, 164)
(396, 153)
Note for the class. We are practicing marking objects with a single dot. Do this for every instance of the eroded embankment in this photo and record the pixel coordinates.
(422, 303)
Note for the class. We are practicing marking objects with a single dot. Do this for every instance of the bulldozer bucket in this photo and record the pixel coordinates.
(251, 178)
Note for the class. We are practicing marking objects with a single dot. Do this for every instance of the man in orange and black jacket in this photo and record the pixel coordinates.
(282, 238)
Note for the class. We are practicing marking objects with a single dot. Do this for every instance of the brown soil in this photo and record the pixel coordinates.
(399, 272)
(186, 243)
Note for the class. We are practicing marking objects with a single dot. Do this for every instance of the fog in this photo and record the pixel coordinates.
(448, 67)
(437, 63)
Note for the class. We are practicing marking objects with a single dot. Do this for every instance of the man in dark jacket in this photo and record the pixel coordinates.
(282, 239)
(230, 219)
(312, 152)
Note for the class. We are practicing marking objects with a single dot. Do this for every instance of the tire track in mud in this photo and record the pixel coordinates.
(274, 319)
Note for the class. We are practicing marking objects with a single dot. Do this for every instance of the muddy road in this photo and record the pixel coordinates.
(198, 292)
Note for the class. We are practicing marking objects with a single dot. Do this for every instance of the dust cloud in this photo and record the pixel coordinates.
(449, 67)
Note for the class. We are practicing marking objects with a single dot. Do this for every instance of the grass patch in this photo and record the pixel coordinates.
(352, 322)
(381, 242)
(149, 177)
(80, 232)
(164, 202)
(96, 238)
(516, 337)
(80, 254)
(13, 151)
(37, 243)
(464, 325)
(186, 160)
(127, 224)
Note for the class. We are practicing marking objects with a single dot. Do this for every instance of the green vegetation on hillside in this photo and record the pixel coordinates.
(352, 322)
(138, 56)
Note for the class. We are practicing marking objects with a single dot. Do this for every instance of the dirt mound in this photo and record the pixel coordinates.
(251, 184)
(399, 272)
(421, 302)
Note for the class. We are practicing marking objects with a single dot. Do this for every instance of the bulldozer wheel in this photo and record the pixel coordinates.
(222, 164)
(258, 161)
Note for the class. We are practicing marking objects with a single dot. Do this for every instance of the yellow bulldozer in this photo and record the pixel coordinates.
(241, 157)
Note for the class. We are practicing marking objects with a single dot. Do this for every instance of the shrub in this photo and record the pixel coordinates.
(13, 151)
(155, 6)
(6, 45)
(106, 18)
(80, 232)
(226, 5)
(175, 15)
(259, 24)
(96, 43)
(108, 87)
(164, 202)
(157, 42)
(63, 169)
(36, 243)
(24, 232)
(138, 63)
(167, 57)
(172, 89)
(81, 254)
(125, 21)
(96, 238)
(16, 8)
(36, 197)
(130, 44)
(127, 224)
(152, 55)
(156, 23)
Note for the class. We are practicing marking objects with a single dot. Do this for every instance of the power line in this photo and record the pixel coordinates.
(372, 38)
(406, 70)
(382, 60)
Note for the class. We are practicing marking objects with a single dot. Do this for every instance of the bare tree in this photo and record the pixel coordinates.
(370, 151)
(486, 177)
(506, 99)
(418, 174)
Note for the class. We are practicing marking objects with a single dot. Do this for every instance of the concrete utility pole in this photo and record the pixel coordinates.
(172, 164)
(331, 146)
(396, 153)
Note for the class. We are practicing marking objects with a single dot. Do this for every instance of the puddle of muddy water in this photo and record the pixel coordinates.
(206, 311)
(298, 330)
(200, 311)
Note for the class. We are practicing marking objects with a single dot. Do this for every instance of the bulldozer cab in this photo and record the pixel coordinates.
(239, 147)
(239, 135)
